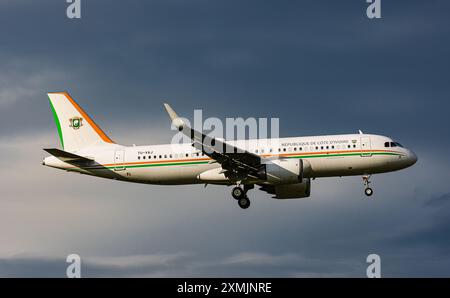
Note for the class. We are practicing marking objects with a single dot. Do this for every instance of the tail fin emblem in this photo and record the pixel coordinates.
(76, 122)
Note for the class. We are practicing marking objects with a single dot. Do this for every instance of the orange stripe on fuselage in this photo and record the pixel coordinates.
(262, 155)
(97, 129)
(159, 161)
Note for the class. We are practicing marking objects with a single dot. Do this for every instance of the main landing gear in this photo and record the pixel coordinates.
(368, 191)
(240, 194)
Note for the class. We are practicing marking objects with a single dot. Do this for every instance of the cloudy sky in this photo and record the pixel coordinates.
(322, 67)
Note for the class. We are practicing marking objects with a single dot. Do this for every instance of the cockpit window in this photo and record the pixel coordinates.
(395, 144)
(386, 144)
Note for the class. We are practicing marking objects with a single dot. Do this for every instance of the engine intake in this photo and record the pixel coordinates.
(290, 191)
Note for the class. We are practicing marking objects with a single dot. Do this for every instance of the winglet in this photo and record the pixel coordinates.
(170, 111)
(176, 121)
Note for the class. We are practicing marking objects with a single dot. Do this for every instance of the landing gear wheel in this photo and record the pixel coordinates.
(237, 193)
(368, 191)
(244, 202)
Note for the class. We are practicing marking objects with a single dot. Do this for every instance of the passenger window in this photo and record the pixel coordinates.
(149, 157)
(284, 149)
(160, 156)
(187, 155)
(348, 146)
(354, 146)
(317, 148)
(139, 157)
(143, 157)
(321, 147)
(328, 147)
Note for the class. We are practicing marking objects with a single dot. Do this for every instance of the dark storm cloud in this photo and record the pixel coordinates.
(321, 66)
(296, 57)
(428, 237)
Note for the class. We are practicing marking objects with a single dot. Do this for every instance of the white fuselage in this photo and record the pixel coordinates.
(328, 156)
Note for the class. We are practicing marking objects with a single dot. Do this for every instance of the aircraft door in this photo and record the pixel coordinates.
(119, 160)
(365, 145)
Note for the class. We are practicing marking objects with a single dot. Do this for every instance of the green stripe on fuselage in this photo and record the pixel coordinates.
(178, 163)
(165, 164)
(343, 154)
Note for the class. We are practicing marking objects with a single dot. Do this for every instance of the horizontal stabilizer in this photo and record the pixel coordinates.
(67, 156)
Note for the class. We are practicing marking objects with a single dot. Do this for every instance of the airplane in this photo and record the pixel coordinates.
(282, 167)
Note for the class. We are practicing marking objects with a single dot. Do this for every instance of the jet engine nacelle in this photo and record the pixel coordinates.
(213, 176)
(284, 171)
(290, 191)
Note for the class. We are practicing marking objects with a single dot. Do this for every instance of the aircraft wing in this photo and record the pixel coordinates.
(237, 164)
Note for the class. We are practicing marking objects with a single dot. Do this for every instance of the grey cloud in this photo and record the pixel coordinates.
(439, 201)
(172, 265)
(129, 266)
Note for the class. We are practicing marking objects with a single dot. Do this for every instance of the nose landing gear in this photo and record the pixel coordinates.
(368, 191)
(240, 194)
